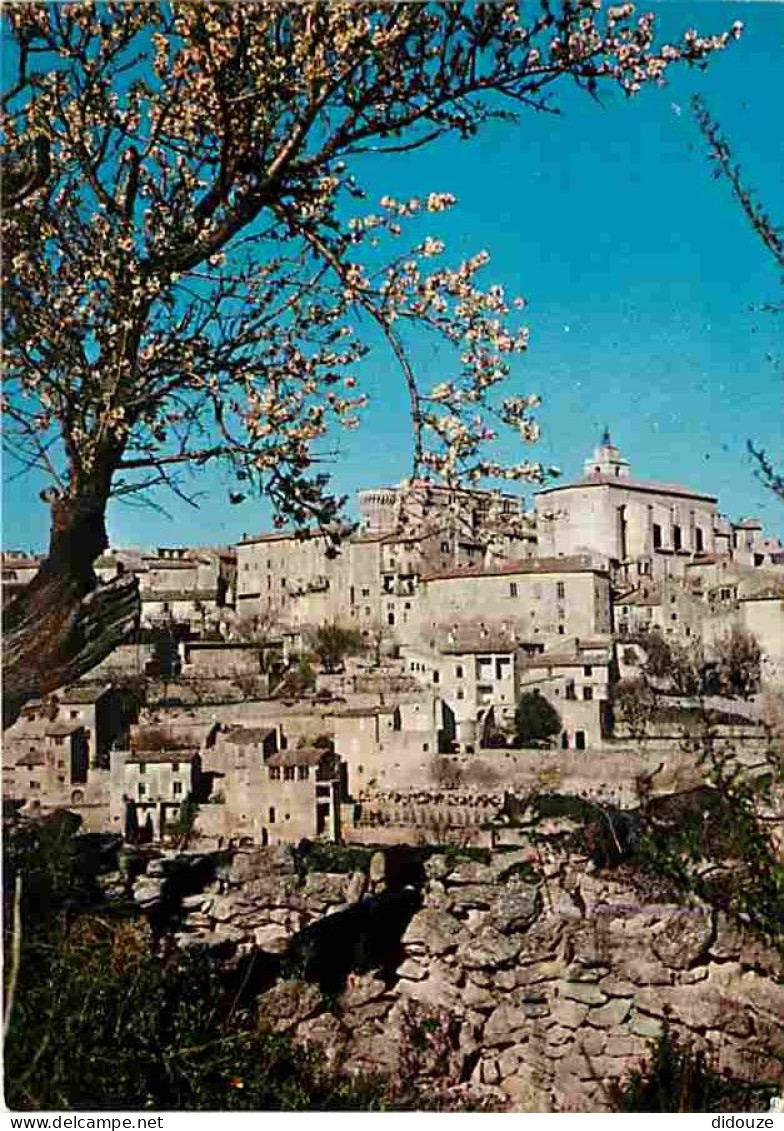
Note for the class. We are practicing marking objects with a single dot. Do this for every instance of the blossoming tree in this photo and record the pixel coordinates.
(186, 253)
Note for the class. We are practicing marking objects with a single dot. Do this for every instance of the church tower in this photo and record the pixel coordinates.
(607, 461)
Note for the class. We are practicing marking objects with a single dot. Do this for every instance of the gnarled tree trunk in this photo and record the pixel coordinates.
(66, 621)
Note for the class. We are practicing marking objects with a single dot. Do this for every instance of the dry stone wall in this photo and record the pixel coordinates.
(547, 988)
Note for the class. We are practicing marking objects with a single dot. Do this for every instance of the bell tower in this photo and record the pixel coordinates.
(607, 461)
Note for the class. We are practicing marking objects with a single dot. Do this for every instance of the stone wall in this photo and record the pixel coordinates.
(551, 985)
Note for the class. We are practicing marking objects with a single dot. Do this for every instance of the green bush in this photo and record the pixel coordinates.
(536, 720)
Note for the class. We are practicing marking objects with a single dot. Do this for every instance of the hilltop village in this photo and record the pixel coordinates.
(407, 678)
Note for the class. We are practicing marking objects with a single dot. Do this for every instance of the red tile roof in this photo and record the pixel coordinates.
(530, 566)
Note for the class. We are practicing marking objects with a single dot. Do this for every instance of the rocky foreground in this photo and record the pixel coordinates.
(533, 990)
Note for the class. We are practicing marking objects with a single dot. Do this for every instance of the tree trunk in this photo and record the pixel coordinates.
(66, 621)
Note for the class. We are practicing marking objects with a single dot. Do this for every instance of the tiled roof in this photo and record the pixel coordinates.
(160, 757)
(562, 660)
(530, 566)
(83, 693)
(248, 736)
(64, 726)
(648, 486)
(31, 758)
(302, 756)
(364, 712)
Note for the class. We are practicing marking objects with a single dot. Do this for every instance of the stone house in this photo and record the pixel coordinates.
(236, 767)
(148, 788)
(578, 686)
(186, 586)
(670, 607)
(17, 570)
(222, 659)
(477, 680)
(643, 528)
(528, 601)
(391, 746)
(303, 796)
(96, 707)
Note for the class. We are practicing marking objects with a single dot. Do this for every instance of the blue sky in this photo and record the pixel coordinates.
(641, 276)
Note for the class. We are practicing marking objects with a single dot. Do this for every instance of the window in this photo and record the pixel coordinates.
(460, 693)
(365, 592)
(142, 789)
(570, 691)
(425, 746)
(512, 588)
(74, 714)
(699, 541)
(587, 693)
(288, 773)
(272, 814)
(436, 677)
(459, 671)
(673, 616)
(588, 670)
(177, 787)
(142, 768)
(444, 547)
(390, 619)
(560, 590)
(657, 541)
(35, 785)
(274, 773)
(579, 739)
(175, 767)
(561, 630)
(303, 772)
(677, 538)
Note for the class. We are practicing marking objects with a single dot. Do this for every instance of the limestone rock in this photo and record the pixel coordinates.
(473, 896)
(327, 1031)
(526, 1091)
(149, 893)
(327, 887)
(508, 1023)
(645, 1026)
(288, 1003)
(570, 1014)
(683, 937)
(470, 872)
(437, 867)
(356, 887)
(273, 939)
(361, 989)
(488, 950)
(584, 992)
(378, 868)
(410, 968)
(434, 932)
(516, 908)
(611, 1015)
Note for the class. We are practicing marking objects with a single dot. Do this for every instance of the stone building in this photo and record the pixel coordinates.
(17, 570)
(577, 684)
(387, 746)
(642, 528)
(478, 682)
(528, 602)
(191, 587)
(148, 788)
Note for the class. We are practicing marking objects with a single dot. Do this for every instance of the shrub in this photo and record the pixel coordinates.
(678, 1079)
